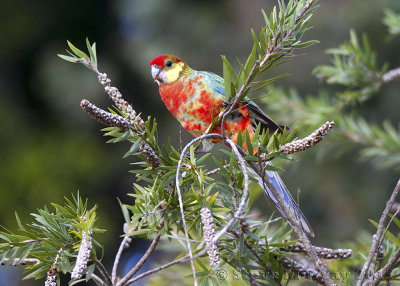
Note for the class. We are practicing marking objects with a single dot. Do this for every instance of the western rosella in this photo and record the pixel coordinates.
(196, 98)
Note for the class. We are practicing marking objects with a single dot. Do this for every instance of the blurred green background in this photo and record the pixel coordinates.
(49, 148)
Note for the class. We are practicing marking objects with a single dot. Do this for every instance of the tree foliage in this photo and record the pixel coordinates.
(180, 200)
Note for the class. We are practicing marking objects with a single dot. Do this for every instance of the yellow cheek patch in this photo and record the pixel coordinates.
(173, 73)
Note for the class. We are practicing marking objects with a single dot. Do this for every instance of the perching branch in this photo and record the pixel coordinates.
(240, 208)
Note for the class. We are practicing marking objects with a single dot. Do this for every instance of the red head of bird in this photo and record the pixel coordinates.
(166, 69)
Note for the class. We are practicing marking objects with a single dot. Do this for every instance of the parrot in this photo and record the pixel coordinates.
(195, 99)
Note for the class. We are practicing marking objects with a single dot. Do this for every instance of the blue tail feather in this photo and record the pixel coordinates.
(276, 180)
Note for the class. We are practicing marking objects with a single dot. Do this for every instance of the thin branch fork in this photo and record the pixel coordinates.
(103, 271)
(377, 238)
(97, 279)
(169, 264)
(385, 271)
(124, 280)
(123, 245)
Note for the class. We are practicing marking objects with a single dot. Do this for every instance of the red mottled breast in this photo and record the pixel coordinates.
(195, 105)
(191, 103)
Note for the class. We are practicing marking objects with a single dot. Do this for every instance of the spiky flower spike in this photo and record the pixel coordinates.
(83, 256)
(309, 141)
(121, 103)
(104, 117)
(53, 271)
(323, 252)
(208, 232)
(300, 270)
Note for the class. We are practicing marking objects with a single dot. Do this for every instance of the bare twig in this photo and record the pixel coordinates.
(178, 190)
(216, 170)
(103, 271)
(122, 246)
(98, 279)
(18, 261)
(377, 237)
(379, 249)
(124, 280)
(169, 264)
(385, 271)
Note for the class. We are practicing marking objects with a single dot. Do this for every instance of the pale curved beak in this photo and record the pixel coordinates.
(155, 70)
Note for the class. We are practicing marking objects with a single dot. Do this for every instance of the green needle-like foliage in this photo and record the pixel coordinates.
(54, 232)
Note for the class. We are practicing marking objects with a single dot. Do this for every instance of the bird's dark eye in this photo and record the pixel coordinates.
(168, 64)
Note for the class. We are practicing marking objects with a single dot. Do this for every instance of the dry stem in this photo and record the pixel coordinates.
(377, 238)
(124, 280)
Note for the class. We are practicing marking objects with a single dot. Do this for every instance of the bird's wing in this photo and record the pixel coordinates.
(258, 115)
(216, 81)
(266, 122)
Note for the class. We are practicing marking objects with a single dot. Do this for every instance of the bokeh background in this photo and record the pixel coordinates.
(49, 148)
